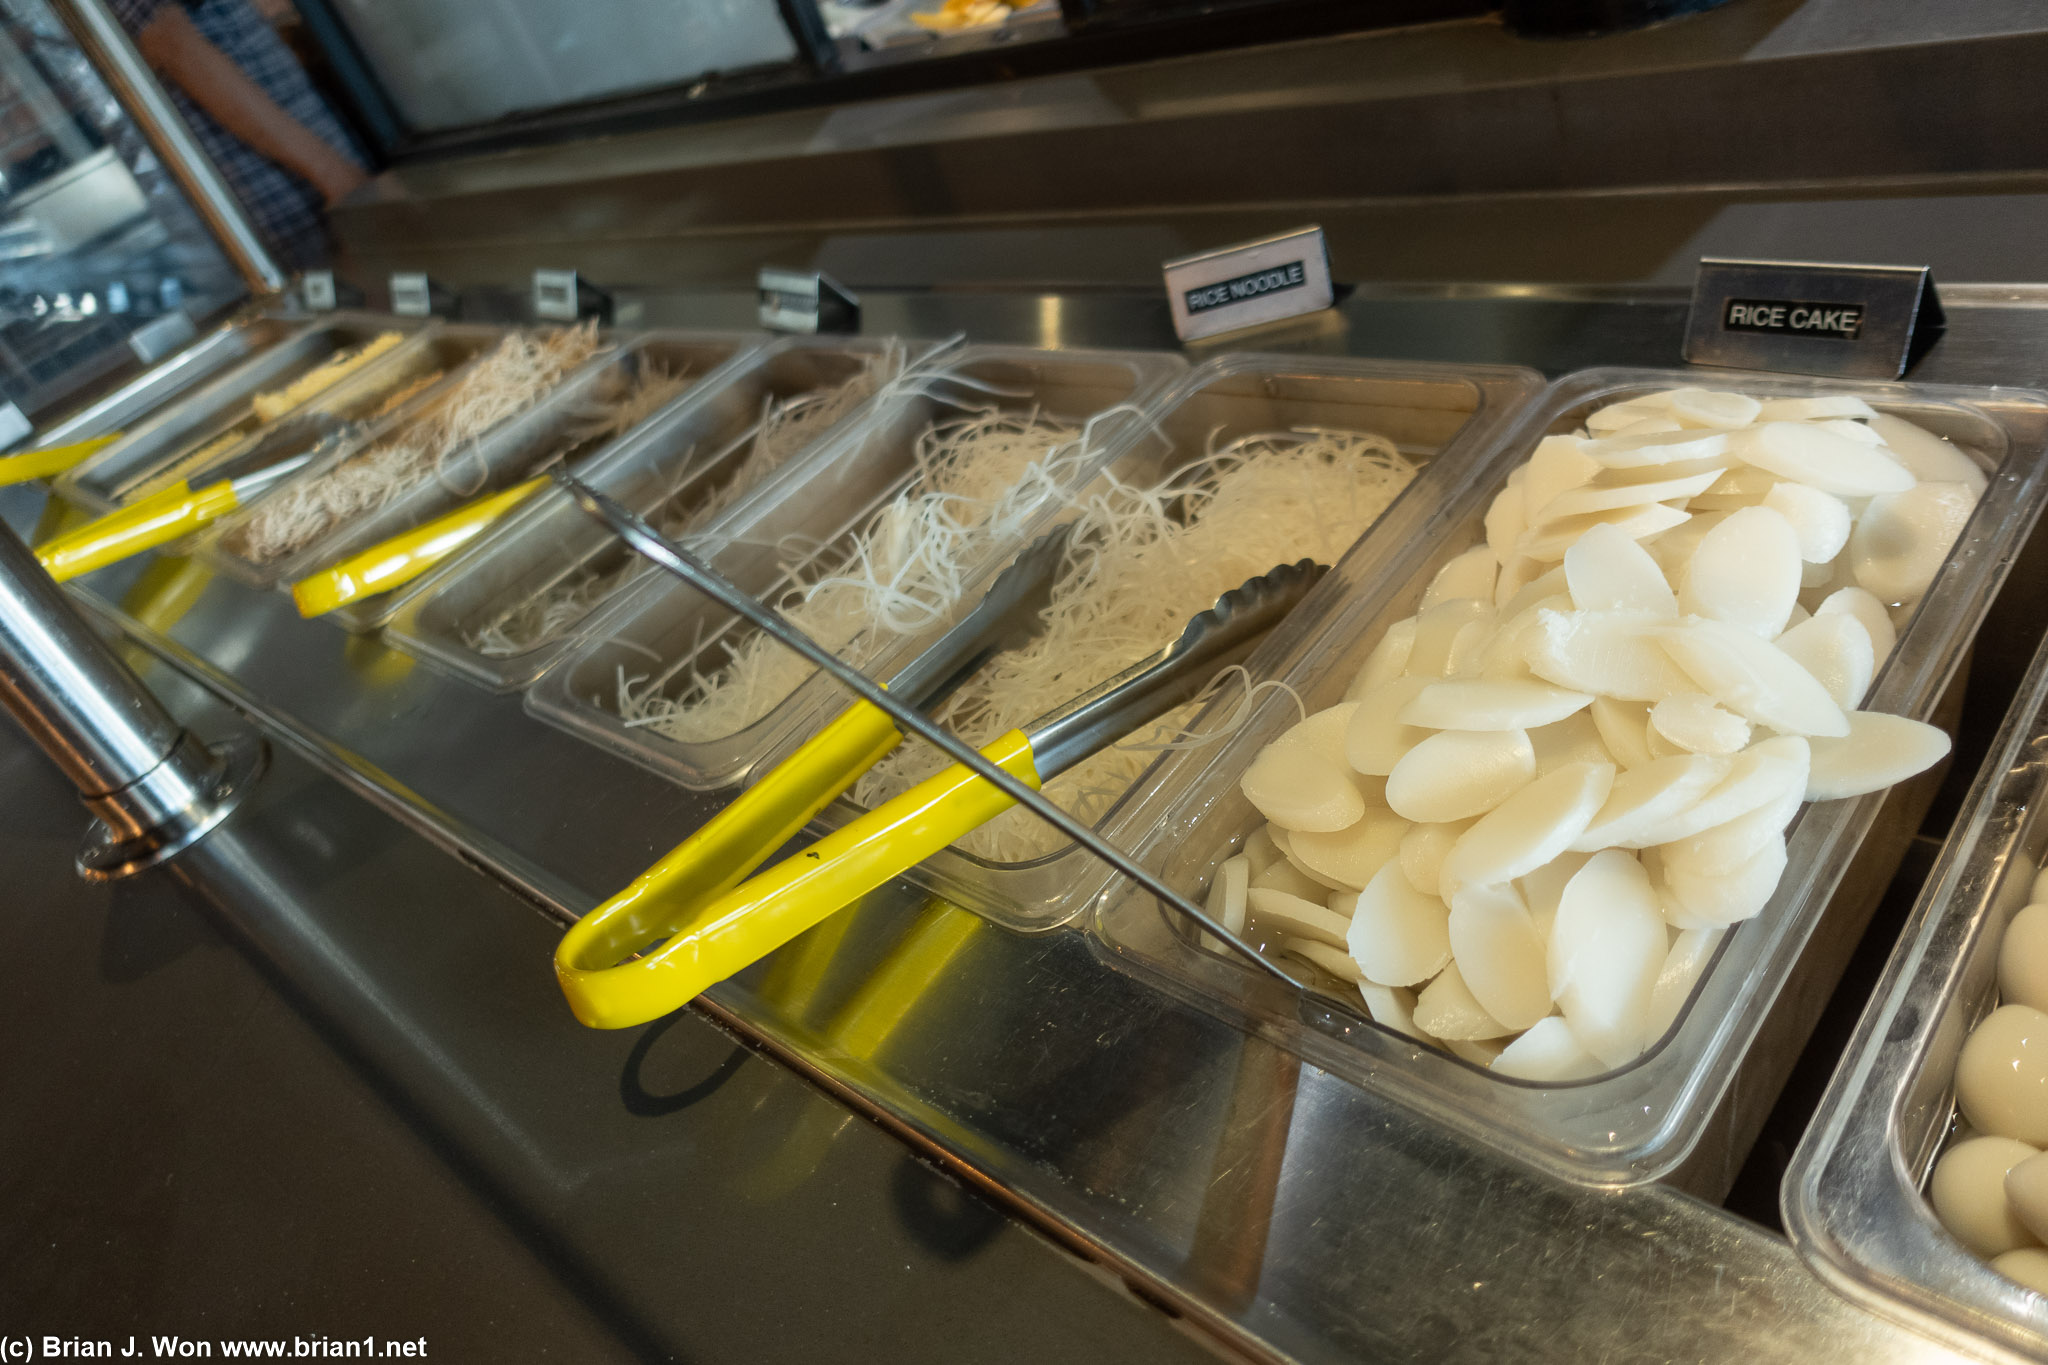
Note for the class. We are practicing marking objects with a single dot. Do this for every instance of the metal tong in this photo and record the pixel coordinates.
(691, 921)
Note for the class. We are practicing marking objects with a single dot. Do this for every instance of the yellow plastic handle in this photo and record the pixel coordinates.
(156, 520)
(51, 460)
(713, 928)
(399, 560)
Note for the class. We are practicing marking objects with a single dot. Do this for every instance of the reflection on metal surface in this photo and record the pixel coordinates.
(881, 1005)
(1227, 1258)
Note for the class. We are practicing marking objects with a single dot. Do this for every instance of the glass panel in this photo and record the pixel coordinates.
(102, 260)
(450, 63)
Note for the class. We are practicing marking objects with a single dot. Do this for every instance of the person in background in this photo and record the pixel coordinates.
(255, 114)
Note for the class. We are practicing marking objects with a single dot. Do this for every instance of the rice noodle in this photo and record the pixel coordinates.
(785, 428)
(981, 480)
(440, 443)
(1139, 563)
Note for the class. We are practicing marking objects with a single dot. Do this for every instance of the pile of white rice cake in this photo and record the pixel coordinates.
(1548, 794)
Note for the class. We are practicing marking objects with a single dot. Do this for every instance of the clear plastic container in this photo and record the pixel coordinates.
(219, 411)
(669, 466)
(1644, 1120)
(1854, 1199)
(503, 455)
(1436, 415)
(151, 391)
(821, 502)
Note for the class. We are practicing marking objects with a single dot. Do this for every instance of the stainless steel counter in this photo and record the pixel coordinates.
(690, 1190)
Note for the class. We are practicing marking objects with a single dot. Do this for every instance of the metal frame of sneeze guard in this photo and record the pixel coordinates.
(1645, 1120)
(1853, 1198)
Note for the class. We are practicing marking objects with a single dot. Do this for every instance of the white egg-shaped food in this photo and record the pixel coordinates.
(2026, 1266)
(2026, 1189)
(2002, 1075)
(2023, 958)
(1967, 1190)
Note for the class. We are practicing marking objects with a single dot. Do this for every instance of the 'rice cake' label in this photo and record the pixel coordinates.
(1803, 317)
(1795, 317)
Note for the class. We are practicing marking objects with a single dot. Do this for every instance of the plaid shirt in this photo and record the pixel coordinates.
(284, 209)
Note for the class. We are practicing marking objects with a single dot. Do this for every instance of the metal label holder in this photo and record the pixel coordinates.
(1812, 317)
(416, 295)
(565, 296)
(807, 301)
(321, 292)
(1249, 284)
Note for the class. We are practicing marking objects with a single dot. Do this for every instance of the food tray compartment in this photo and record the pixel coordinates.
(1643, 1120)
(1435, 414)
(203, 360)
(112, 476)
(339, 414)
(820, 501)
(1854, 1198)
(669, 467)
(503, 455)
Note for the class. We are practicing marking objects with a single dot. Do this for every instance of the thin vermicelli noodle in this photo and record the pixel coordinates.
(981, 481)
(439, 444)
(785, 428)
(1139, 564)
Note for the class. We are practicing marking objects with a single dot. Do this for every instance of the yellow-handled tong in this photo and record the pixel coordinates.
(50, 461)
(692, 920)
(395, 562)
(162, 517)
